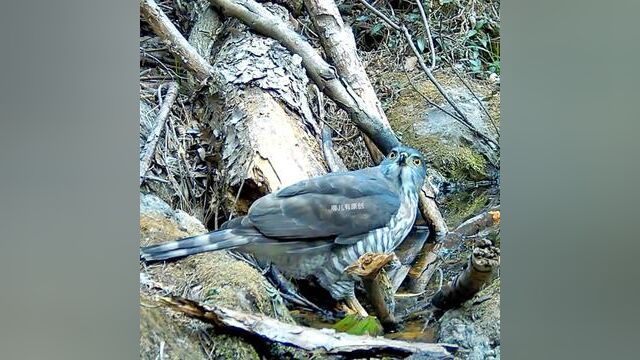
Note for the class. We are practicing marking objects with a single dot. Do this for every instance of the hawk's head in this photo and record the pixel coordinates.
(405, 165)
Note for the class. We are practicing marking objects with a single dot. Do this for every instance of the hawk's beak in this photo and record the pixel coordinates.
(401, 158)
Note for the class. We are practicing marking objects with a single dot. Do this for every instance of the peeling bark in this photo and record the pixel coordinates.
(324, 75)
(271, 135)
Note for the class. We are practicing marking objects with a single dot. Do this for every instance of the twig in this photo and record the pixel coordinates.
(495, 127)
(244, 179)
(325, 341)
(432, 50)
(463, 118)
(154, 136)
(334, 161)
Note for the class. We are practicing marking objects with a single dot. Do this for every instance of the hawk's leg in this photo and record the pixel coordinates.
(289, 293)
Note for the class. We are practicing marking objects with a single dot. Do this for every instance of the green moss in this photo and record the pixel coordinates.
(453, 161)
(460, 206)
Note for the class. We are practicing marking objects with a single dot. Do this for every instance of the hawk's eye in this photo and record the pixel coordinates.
(393, 154)
(417, 161)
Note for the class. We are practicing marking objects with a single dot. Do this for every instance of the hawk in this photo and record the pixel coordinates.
(318, 227)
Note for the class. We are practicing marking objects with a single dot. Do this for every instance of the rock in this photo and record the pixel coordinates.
(475, 326)
(438, 124)
(215, 278)
(450, 147)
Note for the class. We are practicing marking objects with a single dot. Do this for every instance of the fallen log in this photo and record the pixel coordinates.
(259, 19)
(325, 341)
(259, 90)
(271, 137)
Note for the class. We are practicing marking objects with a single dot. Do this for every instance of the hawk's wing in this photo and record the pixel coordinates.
(339, 205)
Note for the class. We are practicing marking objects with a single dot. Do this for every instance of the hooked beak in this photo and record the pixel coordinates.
(402, 158)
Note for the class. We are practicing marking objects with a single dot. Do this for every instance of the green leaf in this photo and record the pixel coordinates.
(420, 43)
(484, 39)
(356, 325)
(375, 29)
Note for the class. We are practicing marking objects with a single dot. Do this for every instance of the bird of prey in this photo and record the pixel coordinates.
(318, 227)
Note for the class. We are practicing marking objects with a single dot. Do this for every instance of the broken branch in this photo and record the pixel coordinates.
(178, 45)
(465, 285)
(154, 135)
(324, 340)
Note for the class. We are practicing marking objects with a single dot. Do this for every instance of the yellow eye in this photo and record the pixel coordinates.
(393, 154)
(417, 162)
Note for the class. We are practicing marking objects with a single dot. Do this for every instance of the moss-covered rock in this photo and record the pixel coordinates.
(475, 326)
(448, 145)
(215, 278)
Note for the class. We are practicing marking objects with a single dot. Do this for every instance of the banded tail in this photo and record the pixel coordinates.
(218, 240)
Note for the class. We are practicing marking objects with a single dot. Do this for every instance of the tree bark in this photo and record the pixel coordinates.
(271, 137)
(324, 75)
(464, 286)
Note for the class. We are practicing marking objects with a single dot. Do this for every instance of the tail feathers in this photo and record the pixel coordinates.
(219, 240)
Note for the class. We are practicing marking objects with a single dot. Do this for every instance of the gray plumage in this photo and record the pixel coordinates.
(322, 225)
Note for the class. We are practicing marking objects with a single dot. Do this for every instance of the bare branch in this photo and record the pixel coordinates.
(340, 46)
(322, 340)
(154, 136)
(425, 21)
(178, 45)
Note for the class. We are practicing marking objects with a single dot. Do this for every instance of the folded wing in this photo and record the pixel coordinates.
(336, 206)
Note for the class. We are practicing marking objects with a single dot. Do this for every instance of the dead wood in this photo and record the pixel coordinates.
(340, 47)
(204, 32)
(334, 161)
(178, 45)
(260, 90)
(324, 75)
(427, 261)
(154, 135)
(377, 284)
(325, 341)
(464, 286)
(271, 137)
(479, 222)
